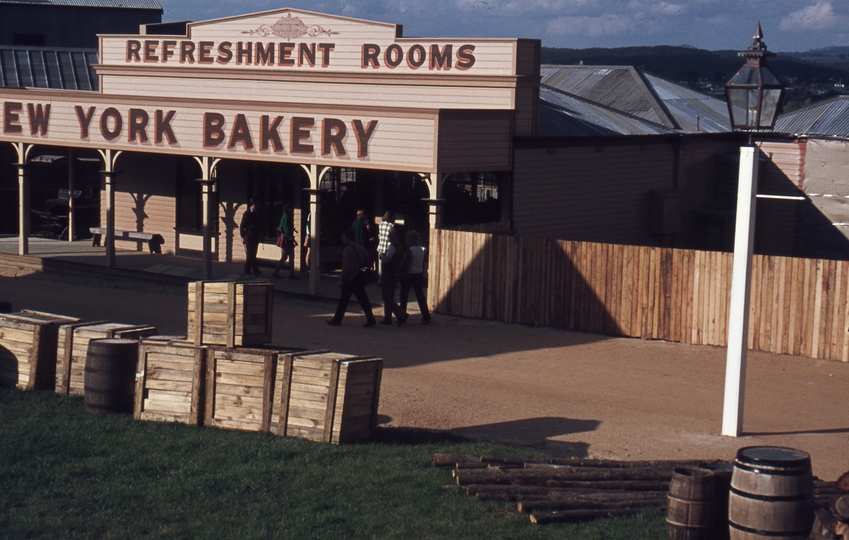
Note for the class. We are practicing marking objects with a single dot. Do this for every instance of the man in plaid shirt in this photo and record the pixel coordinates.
(386, 225)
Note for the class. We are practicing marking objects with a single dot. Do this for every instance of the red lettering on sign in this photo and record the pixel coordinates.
(325, 49)
(168, 50)
(285, 52)
(244, 53)
(301, 131)
(332, 134)
(416, 56)
(363, 136)
(205, 52)
(306, 52)
(84, 118)
(138, 125)
(162, 127)
(11, 117)
(39, 117)
(394, 55)
(440, 59)
(187, 52)
(241, 133)
(370, 53)
(150, 51)
(133, 48)
(264, 54)
(110, 134)
(268, 134)
(465, 57)
(224, 52)
(213, 130)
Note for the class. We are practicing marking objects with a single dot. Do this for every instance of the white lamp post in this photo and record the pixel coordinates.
(753, 95)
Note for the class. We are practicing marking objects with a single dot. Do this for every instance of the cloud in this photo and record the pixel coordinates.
(604, 25)
(664, 8)
(814, 17)
(525, 6)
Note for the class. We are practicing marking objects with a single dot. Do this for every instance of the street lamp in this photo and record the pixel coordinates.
(753, 95)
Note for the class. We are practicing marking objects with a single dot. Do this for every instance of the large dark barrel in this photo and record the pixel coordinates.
(690, 509)
(110, 375)
(772, 494)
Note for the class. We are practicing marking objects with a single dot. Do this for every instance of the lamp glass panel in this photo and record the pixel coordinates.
(771, 97)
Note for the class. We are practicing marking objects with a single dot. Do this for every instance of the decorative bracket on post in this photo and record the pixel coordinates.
(23, 150)
(208, 181)
(110, 158)
(435, 202)
(315, 176)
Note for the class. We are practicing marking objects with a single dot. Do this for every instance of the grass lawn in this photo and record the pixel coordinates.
(65, 473)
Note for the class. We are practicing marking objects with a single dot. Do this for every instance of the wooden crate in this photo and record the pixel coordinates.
(28, 342)
(230, 314)
(73, 347)
(240, 388)
(326, 396)
(170, 382)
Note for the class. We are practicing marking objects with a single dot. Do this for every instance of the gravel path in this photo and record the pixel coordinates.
(564, 393)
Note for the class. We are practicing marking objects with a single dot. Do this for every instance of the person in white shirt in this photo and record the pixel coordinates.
(415, 265)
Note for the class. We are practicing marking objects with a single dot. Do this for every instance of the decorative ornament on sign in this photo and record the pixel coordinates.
(290, 28)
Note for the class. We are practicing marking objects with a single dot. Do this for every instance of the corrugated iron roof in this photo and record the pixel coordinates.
(126, 4)
(39, 67)
(613, 98)
(618, 87)
(562, 115)
(692, 111)
(829, 118)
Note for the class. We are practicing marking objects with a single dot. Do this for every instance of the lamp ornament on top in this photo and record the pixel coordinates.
(754, 92)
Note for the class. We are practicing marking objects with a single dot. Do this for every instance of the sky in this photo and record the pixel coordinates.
(788, 25)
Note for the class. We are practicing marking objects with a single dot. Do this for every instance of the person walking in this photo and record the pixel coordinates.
(391, 262)
(249, 230)
(415, 265)
(354, 258)
(386, 225)
(286, 241)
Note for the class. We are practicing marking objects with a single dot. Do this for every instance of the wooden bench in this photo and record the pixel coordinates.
(154, 241)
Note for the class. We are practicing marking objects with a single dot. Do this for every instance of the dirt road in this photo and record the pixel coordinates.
(561, 392)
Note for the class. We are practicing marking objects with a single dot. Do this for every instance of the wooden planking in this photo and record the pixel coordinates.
(239, 388)
(326, 396)
(231, 314)
(170, 382)
(798, 306)
(28, 345)
(71, 357)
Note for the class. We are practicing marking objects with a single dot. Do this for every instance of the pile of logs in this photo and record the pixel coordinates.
(832, 520)
(563, 490)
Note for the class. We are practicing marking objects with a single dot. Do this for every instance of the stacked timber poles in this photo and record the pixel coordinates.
(564, 490)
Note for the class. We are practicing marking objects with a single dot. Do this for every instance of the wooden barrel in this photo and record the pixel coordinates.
(772, 494)
(110, 375)
(690, 509)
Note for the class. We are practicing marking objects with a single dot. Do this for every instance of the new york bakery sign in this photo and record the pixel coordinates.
(274, 41)
(247, 132)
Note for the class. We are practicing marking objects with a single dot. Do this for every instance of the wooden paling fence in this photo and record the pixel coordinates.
(798, 306)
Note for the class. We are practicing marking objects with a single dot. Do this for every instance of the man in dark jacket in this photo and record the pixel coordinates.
(249, 229)
(354, 257)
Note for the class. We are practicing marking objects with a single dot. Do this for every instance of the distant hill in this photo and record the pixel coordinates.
(689, 65)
